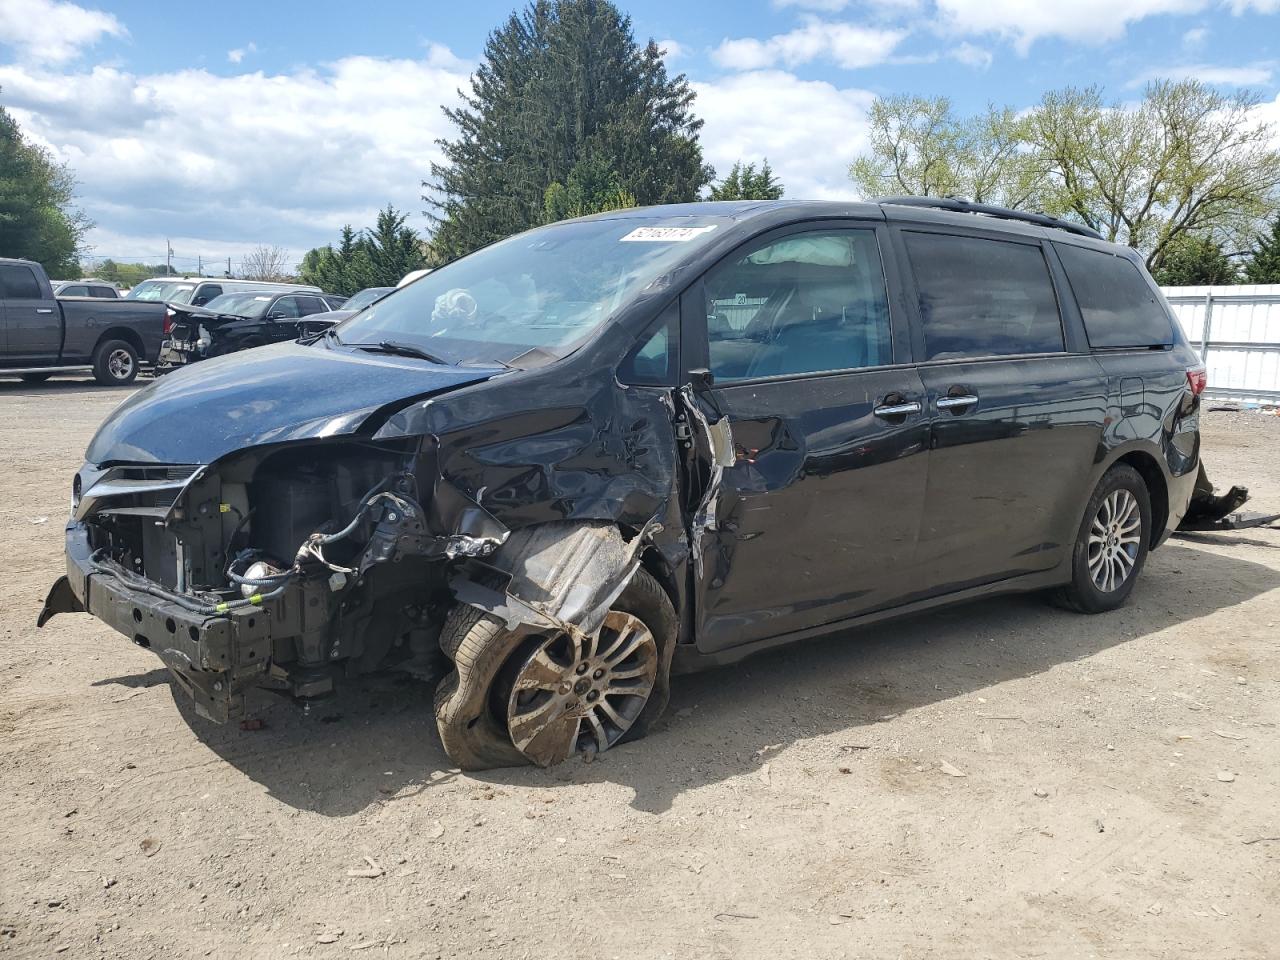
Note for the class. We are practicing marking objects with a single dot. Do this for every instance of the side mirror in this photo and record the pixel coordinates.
(701, 379)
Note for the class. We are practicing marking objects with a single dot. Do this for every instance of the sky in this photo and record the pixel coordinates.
(216, 128)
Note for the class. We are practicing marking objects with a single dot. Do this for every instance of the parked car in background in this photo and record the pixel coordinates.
(238, 321)
(41, 335)
(647, 440)
(357, 302)
(198, 291)
(99, 289)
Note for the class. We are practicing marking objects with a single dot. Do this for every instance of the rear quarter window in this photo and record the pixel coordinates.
(1118, 305)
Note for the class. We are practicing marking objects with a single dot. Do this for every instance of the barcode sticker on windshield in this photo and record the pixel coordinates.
(664, 234)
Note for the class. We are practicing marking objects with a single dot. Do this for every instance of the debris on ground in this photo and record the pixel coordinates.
(371, 872)
(951, 770)
(149, 846)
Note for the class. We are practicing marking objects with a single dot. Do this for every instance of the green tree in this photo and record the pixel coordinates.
(1263, 265)
(1186, 161)
(744, 183)
(592, 187)
(376, 257)
(38, 220)
(1194, 261)
(921, 147)
(561, 82)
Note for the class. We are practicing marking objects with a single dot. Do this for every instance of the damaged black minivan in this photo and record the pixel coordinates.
(591, 455)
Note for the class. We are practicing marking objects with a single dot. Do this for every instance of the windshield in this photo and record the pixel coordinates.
(547, 289)
(240, 304)
(167, 290)
(365, 297)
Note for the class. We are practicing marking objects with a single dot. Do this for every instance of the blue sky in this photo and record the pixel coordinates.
(277, 122)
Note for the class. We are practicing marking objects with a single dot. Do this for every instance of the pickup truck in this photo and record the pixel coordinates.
(41, 334)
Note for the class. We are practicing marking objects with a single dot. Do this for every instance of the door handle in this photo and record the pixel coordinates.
(44, 309)
(897, 409)
(953, 403)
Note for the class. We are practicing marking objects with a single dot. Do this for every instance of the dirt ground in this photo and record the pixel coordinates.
(999, 780)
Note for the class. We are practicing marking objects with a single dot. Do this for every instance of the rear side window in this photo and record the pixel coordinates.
(75, 291)
(105, 293)
(18, 282)
(983, 298)
(1118, 305)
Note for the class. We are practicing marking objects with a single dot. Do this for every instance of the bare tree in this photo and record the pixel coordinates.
(265, 263)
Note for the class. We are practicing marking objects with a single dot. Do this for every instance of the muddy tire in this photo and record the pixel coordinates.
(115, 363)
(1111, 545)
(471, 702)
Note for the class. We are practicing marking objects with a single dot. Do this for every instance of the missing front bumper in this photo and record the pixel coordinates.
(215, 659)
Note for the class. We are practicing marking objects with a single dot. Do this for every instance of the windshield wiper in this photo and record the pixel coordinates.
(399, 349)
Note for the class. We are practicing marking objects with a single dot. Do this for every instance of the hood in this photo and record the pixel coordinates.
(286, 391)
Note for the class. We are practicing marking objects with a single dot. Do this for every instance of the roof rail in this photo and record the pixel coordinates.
(987, 210)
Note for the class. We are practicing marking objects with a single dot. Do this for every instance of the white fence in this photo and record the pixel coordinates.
(1237, 333)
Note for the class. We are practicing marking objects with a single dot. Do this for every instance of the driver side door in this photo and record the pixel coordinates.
(817, 518)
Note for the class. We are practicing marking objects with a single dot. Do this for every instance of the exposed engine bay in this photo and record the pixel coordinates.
(321, 555)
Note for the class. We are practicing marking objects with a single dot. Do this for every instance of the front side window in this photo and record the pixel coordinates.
(983, 298)
(286, 308)
(1117, 304)
(205, 293)
(804, 303)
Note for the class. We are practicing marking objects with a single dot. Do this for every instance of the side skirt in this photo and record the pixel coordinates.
(688, 659)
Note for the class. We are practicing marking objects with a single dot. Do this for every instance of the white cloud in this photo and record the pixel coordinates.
(1084, 21)
(847, 45)
(672, 50)
(276, 158)
(238, 54)
(1242, 76)
(1259, 6)
(809, 130)
(48, 31)
(1195, 37)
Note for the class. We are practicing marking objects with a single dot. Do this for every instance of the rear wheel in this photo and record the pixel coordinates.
(35, 377)
(1111, 545)
(115, 363)
(516, 698)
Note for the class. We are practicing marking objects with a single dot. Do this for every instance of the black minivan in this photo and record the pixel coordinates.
(588, 456)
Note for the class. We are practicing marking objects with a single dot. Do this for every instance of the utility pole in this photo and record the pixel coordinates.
(199, 265)
(228, 268)
(168, 258)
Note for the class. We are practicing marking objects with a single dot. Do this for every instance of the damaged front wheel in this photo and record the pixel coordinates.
(517, 698)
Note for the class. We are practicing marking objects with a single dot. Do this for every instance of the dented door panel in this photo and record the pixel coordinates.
(817, 519)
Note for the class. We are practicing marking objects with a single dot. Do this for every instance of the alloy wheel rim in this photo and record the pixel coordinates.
(120, 364)
(581, 694)
(1115, 536)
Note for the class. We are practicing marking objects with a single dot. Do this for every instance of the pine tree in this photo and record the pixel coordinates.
(1263, 265)
(561, 83)
(377, 257)
(1194, 261)
(744, 183)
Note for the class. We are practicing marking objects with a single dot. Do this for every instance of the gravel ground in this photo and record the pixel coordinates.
(1003, 779)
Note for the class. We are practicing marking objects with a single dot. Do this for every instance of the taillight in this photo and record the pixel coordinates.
(168, 322)
(1197, 380)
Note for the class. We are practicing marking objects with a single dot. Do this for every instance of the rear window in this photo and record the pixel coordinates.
(983, 298)
(1118, 305)
(18, 282)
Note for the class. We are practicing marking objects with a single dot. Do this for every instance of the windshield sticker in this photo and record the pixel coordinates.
(665, 234)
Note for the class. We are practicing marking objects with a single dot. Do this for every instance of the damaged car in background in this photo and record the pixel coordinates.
(239, 320)
(572, 463)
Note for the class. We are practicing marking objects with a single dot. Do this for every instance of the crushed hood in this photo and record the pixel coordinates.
(286, 391)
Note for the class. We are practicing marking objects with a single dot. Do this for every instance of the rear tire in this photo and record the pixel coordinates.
(115, 363)
(1111, 545)
(35, 377)
(471, 701)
